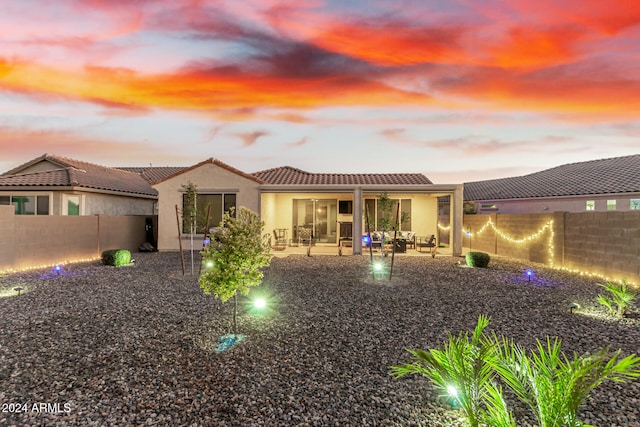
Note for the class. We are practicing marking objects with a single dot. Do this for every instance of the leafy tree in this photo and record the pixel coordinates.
(234, 258)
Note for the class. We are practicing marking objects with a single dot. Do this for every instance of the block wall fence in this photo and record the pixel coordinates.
(601, 243)
(31, 241)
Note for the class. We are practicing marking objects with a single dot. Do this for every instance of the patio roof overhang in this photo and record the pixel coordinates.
(369, 188)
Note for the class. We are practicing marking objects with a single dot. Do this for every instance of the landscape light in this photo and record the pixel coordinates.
(377, 266)
(209, 264)
(453, 392)
(57, 268)
(366, 240)
(206, 242)
(529, 274)
(572, 307)
(260, 303)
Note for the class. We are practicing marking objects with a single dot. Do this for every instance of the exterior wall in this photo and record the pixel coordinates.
(94, 203)
(601, 243)
(32, 241)
(107, 204)
(207, 178)
(556, 204)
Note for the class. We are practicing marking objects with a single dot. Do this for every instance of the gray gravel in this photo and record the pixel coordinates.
(100, 345)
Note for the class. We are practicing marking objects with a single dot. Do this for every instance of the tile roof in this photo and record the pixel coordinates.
(216, 162)
(604, 176)
(153, 174)
(76, 173)
(287, 175)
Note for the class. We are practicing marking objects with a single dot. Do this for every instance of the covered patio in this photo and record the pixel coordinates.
(336, 216)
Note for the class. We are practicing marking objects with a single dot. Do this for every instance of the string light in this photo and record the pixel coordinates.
(444, 228)
(550, 248)
(47, 266)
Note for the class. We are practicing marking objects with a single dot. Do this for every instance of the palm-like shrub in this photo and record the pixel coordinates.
(619, 300)
(551, 384)
(554, 386)
(462, 369)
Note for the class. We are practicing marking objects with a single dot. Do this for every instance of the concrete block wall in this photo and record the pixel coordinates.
(602, 243)
(33, 241)
(605, 243)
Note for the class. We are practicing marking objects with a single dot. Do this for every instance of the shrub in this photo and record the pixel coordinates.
(116, 257)
(620, 298)
(478, 259)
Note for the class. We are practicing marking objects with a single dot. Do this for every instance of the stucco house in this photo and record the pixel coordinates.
(611, 184)
(56, 185)
(294, 202)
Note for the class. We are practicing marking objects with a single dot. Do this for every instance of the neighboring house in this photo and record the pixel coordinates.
(598, 185)
(55, 185)
(330, 207)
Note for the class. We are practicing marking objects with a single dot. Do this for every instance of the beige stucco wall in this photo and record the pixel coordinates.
(106, 204)
(208, 178)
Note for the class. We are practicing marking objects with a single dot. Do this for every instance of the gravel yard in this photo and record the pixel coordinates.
(98, 345)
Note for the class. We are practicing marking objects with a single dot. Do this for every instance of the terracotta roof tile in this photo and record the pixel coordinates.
(287, 175)
(77, 173)
(604, 176)
(153, 174)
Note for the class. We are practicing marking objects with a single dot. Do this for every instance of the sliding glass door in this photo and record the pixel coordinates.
(315, 217)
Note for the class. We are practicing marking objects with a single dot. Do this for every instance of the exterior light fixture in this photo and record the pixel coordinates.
(209, 264)
(260, 303)
(57, 268)
(572, 307)
(18, 289)
(377, 266)
(453, 392)
(529, 275)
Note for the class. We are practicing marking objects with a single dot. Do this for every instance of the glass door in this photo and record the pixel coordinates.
(317, 217)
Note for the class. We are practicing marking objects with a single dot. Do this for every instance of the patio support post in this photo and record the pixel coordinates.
(356, 232)
(456, 226)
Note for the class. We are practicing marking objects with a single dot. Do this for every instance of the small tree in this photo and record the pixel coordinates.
(190, 212)
(386, 221)
(234, 258)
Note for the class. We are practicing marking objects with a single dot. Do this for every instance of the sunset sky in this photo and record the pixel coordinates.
(458, 90)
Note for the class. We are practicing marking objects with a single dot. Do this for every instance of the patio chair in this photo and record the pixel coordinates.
(427, 242)
(280, 235)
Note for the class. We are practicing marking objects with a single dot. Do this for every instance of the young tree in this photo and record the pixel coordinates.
(189, 212)
(234, 258)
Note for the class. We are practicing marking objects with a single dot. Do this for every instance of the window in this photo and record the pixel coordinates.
(611, 205)
(27, 205)
(591, 205)
(634, 204)
(345, 207)
(219, 204)
(73, 205)
(371, 206)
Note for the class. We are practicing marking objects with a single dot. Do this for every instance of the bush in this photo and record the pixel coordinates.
(478, 259)
(116, 257)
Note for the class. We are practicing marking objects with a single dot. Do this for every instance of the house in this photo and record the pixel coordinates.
(330, 207)
(611, 184)
(56, 185)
